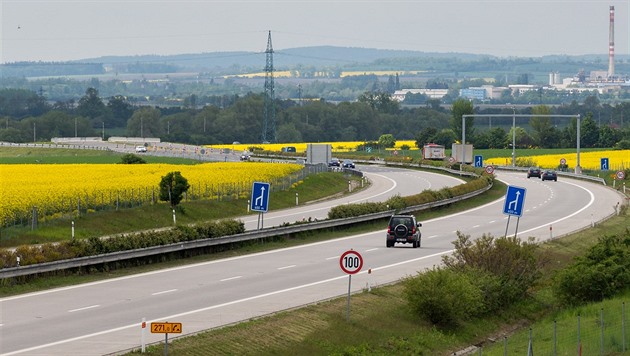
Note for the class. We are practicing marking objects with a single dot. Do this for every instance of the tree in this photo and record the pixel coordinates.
(425, 136)
(498, 137)
(90, 105)
(172, 188)
(121, 110)
(589, 132)
(145, 122)
(387, 141)
(541, 126)
(462, 107)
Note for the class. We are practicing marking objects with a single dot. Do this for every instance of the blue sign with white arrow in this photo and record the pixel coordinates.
(603, 164)
(260, 197)
(514, 200)
(478, 161)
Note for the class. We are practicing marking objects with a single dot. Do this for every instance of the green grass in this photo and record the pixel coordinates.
(39, 155)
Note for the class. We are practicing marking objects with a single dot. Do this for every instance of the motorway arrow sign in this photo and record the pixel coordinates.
(514, 200)
(260, 197)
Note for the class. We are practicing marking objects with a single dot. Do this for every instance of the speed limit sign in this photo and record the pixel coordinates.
(621, 175)
(351, 262)
(489, 169)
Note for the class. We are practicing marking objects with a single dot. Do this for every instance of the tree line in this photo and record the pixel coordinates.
(25, 116)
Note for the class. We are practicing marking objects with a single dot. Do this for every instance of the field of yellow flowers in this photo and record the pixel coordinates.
(301, 147)
(618, 160)
(55, 189)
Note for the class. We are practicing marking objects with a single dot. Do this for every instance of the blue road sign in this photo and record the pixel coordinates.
(260, 197)
(514, 200)
(478, 161)
(603, 164)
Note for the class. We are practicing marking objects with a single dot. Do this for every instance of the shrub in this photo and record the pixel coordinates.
(513, 261)
(443, 296)
(130, 158)
(601, 273)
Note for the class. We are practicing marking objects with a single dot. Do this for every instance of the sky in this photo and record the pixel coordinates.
(59, 30)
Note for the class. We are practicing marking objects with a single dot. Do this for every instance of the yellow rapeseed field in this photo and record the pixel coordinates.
(58, 188)
(618, 160)
(301, 147)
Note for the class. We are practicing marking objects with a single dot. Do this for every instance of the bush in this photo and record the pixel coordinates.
(130, 158)
(443, 296)
(350, 210)
(601, 273)
(513, 261)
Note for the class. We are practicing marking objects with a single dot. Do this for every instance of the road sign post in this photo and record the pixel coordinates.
(351, 263)
(260, 200)
(166, 328)
(514, 201)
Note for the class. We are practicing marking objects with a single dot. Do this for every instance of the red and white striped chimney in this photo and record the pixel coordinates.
(611, 44)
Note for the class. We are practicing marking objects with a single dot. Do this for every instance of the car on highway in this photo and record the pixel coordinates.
(403, 229)
(140, 149)
(533, 172)
(245, 157)
(549, 175)
(335, 162)
(348, 164)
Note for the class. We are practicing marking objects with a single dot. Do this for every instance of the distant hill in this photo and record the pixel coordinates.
(308, 59)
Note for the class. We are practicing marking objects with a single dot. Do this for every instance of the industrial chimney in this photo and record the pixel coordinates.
(611, 44)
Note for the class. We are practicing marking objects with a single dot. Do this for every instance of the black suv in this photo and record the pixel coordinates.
(403, 229)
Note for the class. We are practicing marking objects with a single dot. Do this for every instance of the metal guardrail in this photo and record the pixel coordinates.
(11, 272)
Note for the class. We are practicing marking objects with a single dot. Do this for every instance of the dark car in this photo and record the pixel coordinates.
(533, 172)
(348, 164)
(550, 175)
(403, 229)
(335, 162)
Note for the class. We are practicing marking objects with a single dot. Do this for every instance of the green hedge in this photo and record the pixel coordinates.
(33, 254)
(397, 202)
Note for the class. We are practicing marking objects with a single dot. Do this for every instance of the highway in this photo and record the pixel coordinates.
(105, 317)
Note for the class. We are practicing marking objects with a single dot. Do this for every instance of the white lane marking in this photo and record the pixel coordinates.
(164, 292)
(172, 317)
(84, 308)
(491, 221)
(372, 249)
(476, 226)
(432, 236)
(1, 324)
(285, 267)
(229, 279)
(331, 258)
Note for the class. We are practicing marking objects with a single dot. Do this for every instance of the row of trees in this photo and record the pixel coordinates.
(367, 119)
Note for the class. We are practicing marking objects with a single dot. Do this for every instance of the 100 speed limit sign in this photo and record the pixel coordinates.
(351, 262)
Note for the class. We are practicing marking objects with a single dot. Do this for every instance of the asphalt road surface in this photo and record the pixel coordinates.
(105, 317)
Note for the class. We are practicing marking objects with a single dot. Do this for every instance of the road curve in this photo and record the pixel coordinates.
(104, 317)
